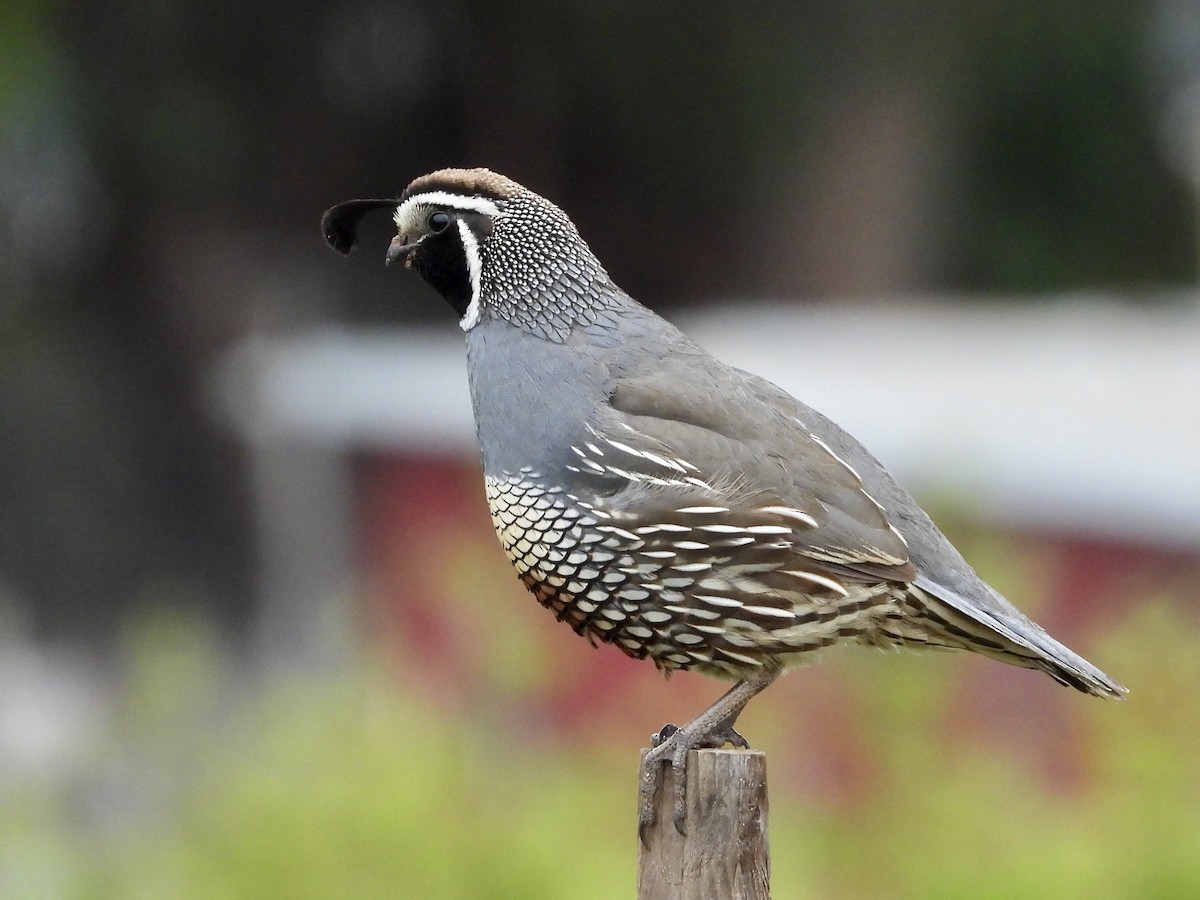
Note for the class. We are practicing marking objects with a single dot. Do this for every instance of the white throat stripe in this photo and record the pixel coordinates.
(474, 265)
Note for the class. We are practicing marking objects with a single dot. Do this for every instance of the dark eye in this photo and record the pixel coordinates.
(438, 221)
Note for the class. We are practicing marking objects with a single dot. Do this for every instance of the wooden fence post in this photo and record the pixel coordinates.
(725, 853)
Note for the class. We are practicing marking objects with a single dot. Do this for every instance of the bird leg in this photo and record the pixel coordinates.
(713, 728)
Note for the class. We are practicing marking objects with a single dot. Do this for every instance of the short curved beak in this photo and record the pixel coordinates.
(400, 249)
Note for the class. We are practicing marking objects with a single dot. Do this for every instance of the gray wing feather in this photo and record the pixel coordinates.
(755, 453)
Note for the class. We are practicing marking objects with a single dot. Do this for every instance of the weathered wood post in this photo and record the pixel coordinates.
(725, 852)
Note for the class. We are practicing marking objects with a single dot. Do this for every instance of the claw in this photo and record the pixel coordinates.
(679, 819)
(648, 788)
(734, 738)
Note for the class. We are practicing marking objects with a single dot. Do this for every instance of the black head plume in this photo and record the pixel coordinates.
(339, 225)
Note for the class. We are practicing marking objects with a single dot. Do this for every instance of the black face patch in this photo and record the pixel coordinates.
(441, 260)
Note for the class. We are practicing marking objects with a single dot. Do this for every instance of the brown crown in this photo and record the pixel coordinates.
(471, 182)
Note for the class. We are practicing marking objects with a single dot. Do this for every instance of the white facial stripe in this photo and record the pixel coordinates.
(474, 265)
(410, 218)
(409, 215)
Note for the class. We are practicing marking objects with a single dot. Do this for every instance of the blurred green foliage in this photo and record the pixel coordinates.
(354, 788)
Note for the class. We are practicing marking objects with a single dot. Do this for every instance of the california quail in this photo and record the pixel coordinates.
(659, 500)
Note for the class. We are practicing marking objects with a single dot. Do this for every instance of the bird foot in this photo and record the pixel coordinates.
(670, 748)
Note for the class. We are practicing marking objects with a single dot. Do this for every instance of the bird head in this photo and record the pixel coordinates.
(490, 247)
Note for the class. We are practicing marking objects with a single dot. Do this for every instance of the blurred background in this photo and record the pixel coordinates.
(257, 638)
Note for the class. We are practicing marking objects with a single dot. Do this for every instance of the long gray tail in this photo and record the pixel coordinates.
(1009, 636)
